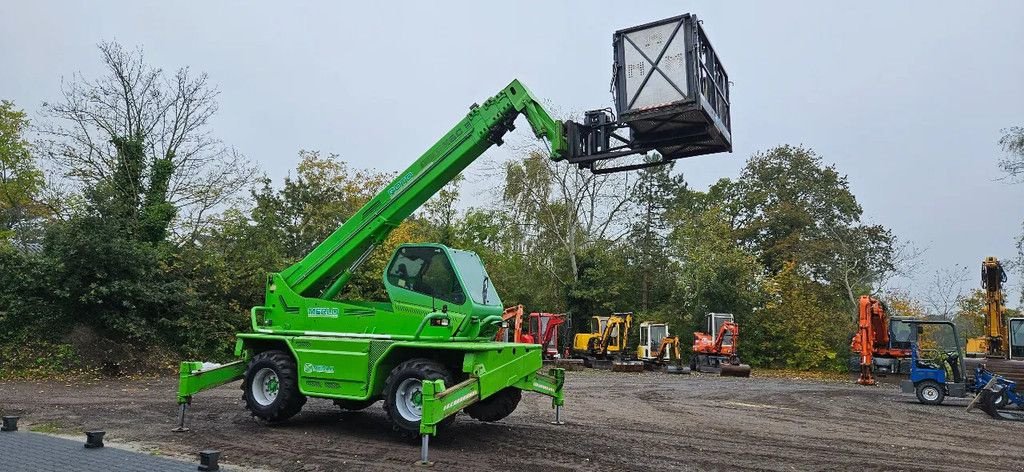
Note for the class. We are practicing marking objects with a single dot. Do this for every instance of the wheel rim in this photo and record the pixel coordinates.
(265, 386)
(930, 393)
(409, 399)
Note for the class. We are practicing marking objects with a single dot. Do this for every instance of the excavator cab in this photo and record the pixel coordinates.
(651, 336)
(1016, 328)
(715, 322)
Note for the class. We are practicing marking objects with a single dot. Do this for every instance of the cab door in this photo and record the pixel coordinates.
(1016, 326)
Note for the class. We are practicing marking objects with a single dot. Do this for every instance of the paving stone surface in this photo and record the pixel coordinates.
(27, 451)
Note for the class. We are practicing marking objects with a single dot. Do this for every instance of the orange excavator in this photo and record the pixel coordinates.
(717, 350)
(873, 342)
(541, 328)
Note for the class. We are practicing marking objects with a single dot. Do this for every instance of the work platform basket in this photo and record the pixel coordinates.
(670, 88)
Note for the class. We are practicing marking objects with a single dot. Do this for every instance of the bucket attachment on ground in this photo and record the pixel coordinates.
(987, 399)
(735, 370)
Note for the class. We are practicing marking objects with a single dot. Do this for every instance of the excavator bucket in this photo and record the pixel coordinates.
(986, 400)
(735, 370)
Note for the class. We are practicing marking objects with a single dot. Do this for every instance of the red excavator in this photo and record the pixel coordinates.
(541, 328)
(873, 343)
(717, 350)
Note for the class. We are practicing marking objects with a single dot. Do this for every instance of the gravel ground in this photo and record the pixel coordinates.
(615, 421)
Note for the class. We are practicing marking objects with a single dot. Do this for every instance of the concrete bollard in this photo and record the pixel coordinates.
(10, 423)
(208, 460)
(94, 439)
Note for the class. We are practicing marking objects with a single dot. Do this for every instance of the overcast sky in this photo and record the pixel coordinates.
(906, 98)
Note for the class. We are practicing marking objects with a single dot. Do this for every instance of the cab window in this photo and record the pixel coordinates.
(426, 270)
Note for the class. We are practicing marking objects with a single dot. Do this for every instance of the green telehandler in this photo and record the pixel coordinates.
(428, 352)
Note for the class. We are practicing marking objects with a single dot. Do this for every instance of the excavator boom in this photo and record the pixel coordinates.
(872, 342)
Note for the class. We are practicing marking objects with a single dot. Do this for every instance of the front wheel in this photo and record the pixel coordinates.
(403, 394)
(929, 392)
(271, 387)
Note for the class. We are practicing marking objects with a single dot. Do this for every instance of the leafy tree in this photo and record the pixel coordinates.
(970, 315)
(325, 193)
(787, 206)
(441, 214)
(797, 328)
(20, 178)
(112, 255)
(715, 274)
(562, 213)
(167, 115)
(654, 195)
(901, 303)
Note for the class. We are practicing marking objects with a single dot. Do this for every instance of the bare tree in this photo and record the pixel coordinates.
(868, 257)
(946, 291)
(574, 206)
(1012, 143)
(171, 113)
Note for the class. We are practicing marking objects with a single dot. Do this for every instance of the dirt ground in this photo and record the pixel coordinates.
(614, 421)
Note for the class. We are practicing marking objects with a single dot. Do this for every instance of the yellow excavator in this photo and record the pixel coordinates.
(997, 350)
(993, 343)
(607, 340)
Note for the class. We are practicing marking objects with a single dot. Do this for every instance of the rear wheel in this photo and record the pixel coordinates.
(403, 394)
(271, 387)
(929, 392)
(497, 406)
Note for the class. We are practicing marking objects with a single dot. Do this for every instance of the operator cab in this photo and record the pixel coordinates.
(937, 361)
(715, 322)
(434, 277)
(1016, 326)
(651, 335)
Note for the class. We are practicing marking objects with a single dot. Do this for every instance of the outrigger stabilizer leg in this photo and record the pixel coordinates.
(424, 452)
(440, 402)
(181, 417)
(194, 377)
(558, 418)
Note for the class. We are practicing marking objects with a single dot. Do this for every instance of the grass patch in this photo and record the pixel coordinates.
(46, 428)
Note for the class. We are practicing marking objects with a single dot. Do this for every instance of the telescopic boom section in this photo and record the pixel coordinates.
(326, 270)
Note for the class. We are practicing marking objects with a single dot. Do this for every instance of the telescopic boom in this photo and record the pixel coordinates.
(325, 271)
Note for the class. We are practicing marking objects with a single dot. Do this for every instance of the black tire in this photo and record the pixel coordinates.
(354, 405)
(419, 369)
(1001, 400)
(497, 406)
(288, 400)
(929, 392)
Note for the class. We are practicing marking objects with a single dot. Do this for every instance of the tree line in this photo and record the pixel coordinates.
(128, 231)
